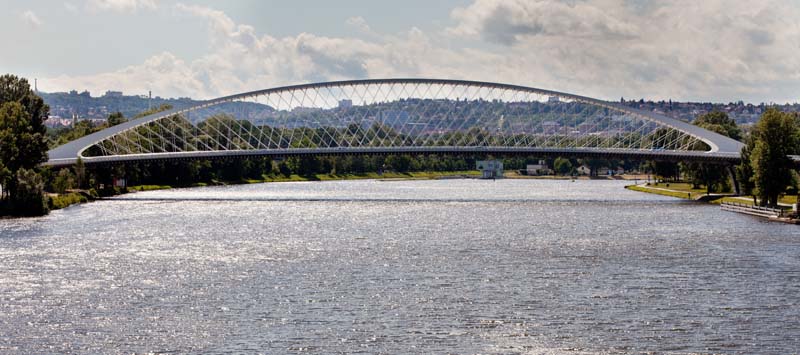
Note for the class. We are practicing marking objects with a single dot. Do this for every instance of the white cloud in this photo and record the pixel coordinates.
(511, 21)
(121, 5)
(241, 60)
(714, 50)
(686, 49)
(30, 19)
(360, 23)
(162, 73)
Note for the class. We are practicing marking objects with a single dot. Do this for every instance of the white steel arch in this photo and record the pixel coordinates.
(382, 116)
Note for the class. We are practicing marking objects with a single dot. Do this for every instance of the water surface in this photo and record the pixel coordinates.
(399, 267)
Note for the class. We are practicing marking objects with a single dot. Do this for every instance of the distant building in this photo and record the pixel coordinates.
(346, 103)
(553, 100)
(537, 169)
(113, 94)
(490, 169)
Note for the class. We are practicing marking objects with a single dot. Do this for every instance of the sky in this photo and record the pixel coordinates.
(711, 50)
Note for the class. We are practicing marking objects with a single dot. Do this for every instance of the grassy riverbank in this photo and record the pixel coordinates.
(685, 191)
(679, 190)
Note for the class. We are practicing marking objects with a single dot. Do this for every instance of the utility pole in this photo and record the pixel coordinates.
(149, 100)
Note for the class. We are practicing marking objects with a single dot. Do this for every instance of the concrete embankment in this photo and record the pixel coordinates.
(773, 214)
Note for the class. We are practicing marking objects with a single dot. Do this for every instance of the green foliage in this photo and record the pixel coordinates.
(80, 129)
(161, 108)
(63, 181)
(663, 192)
(713, 176)
(775, 136)
(719, 122)
(28, 198)
(63, 201)
(115, 119)
(562, 166)
(80, 173)
(744, 171)
(23, 146)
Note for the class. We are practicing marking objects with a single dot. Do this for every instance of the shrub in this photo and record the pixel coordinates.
(29, 198)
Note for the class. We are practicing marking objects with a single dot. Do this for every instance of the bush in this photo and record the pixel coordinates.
(29, 198)
(62, 201)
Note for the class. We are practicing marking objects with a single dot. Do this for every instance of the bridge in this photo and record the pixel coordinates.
(400, 116)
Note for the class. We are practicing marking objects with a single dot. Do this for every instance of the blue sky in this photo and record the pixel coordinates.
(682, 50)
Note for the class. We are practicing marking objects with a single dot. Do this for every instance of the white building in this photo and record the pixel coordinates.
(490, 169)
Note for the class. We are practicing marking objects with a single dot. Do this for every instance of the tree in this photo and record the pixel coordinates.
(562, 166)
(775, 136)
(23, 140)
(63, 181)
(744, 171)
(22, 145)
(115, 119)
(667, 170)
(713, 176)
(719, 122)
(80, 173)
(29, 197)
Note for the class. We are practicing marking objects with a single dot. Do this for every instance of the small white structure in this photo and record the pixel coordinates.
(583, 170)
(490, 169)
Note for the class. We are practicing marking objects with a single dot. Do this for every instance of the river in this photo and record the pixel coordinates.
(399, 267)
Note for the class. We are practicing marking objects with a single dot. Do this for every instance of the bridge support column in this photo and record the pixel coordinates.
(736, 188)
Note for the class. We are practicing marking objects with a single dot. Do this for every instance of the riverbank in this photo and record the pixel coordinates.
(678, 190)
(743, 204)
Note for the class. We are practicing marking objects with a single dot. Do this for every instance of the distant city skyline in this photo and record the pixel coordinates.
(716, 51)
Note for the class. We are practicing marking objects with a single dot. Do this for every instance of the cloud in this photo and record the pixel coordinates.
(511, 21)
(360, 23)
(30, 19)
(682, 49)
(239, 59)
(711, 51)
(162, 73)
(121, 5)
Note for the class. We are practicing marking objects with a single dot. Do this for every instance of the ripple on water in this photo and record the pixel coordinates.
(451, 266)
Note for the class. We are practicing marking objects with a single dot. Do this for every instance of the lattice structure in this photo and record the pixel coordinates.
(397, 115)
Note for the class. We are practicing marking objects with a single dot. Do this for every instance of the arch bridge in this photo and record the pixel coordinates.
(400, 116)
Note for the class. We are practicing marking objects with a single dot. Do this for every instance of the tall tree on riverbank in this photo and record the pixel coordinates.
(23, 139)
(775, 136)
(713, 176)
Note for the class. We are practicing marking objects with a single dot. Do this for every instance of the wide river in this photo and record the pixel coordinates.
(399, 267)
